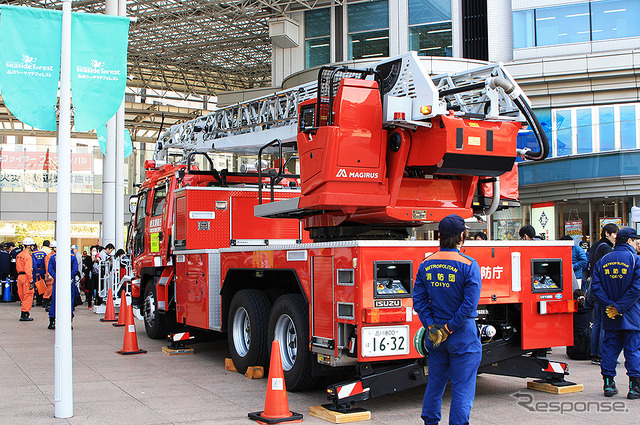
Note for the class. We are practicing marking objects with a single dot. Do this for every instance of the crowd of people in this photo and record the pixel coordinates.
(606, 287)
(31, 273)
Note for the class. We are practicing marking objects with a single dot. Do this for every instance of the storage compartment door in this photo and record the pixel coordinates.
(322, 314)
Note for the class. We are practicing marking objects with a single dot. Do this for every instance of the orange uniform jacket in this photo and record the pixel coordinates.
(24, 264)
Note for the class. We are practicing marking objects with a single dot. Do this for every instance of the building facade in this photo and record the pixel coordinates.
(577, 61)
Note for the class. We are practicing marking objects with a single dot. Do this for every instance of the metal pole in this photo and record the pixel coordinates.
(109, 167)
(63, 388)
(119, 177)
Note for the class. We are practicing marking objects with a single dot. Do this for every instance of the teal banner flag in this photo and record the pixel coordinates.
(128, 145)
(98, 67)
(30, 41)
(101, 132)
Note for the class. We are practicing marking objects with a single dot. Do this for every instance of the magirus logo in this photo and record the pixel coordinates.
(356, 174)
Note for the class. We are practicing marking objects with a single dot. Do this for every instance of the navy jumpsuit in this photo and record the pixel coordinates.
(74, 288)
(616, 281)
(447, 291)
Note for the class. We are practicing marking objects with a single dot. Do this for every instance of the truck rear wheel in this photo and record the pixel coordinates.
(289, 325)
(247, 329)
(154, 323)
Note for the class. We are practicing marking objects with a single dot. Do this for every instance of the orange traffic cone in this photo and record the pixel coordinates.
(122, 314)
(130, 344)
(276, 405)
(110, 312)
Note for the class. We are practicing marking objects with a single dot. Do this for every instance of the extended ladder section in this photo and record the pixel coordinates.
(411, 98)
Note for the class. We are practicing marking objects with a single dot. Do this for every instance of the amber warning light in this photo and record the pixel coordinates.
(378, 315)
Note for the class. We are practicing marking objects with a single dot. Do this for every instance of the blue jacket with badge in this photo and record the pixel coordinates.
(447, 289)
(39, 269)
(616, 281)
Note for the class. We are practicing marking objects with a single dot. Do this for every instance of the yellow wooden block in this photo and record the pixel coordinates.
(228, 364)
(553, 389)
(254, 372)
(337, 417)
(177, 351)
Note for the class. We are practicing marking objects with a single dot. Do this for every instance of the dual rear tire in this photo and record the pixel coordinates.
(253, 323)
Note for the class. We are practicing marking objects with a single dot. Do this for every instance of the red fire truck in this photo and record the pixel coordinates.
(322, 260)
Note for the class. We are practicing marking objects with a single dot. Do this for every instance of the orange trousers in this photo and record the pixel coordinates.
(25, 292)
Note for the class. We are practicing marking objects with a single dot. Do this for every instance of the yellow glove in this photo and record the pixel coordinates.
(438, 334)
(612, 312)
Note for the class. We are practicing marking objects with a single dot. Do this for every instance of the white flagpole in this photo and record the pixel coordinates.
(109, 226)
(63, 391)
(119, 176)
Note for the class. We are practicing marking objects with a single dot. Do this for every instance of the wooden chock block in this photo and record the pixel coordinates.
(554, 389)
(254, 372)
(339, 418)
(228, 364)
(177, 351)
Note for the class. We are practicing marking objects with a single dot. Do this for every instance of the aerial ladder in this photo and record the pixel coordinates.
(430, 143)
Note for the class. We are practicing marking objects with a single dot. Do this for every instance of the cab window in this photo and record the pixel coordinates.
(159, 197)
(138, 237)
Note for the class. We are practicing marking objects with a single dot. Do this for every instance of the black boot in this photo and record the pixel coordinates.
(634, 388)
(610, 388)
(24, 317)
(52, 323)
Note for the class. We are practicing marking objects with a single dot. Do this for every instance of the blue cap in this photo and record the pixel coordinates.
(626, 233)
(451, 225)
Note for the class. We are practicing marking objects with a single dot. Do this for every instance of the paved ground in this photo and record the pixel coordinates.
(155, 388)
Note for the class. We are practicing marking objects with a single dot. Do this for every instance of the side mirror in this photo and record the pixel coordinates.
(133, 204)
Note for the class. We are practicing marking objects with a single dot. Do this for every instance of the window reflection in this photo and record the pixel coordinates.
(582, 22)
(368, 30)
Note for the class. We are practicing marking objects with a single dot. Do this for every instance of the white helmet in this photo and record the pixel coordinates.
(53, 244)
(28, 241)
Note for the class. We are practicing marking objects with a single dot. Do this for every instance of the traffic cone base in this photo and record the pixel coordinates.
(110, 312)
(130, 343)
(276, 405)
(294, 418)
(124, 353)
(122, 314)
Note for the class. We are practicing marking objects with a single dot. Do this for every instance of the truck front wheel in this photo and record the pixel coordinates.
(289, 325)
(247, 329)
(154, 323)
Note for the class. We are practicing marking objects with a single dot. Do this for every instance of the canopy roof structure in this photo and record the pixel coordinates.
(194, 48)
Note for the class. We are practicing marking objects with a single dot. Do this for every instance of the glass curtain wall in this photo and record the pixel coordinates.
(576, 23)
(317, 28)
(430, 31)
(368, 29)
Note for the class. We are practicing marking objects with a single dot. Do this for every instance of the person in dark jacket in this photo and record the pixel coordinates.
(446, 295)
(599, 249)
(581, 348)
(616, 286)
(39, 271)
(5, 263)
(74, 289)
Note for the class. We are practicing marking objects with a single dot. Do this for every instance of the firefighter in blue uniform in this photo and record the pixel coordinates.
(616, 286)
(445, 296)
(39, 270)
(74, 288)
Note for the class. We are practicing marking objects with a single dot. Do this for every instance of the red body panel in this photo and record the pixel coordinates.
(192, 307)
(318, 277)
